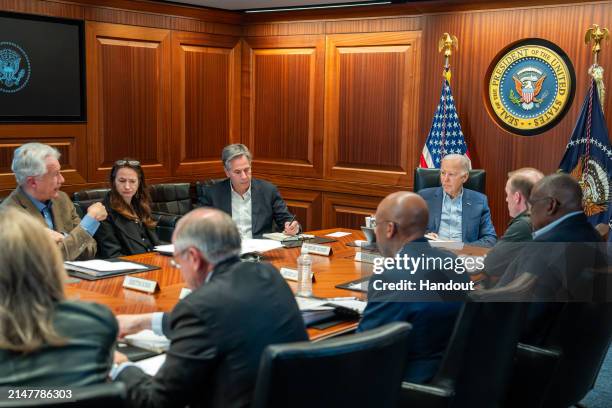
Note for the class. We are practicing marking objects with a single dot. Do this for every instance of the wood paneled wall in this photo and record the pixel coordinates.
(335, 107)
(374, 132)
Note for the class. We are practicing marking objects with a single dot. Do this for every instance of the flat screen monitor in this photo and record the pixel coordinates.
(42, 69)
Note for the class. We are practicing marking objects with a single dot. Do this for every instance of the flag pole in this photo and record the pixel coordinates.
(446, 43)
(596, 35)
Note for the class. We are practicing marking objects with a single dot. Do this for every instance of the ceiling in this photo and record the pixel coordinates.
(263, 4)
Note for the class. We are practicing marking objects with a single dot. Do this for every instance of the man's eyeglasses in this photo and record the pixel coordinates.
(173, 260)
(122, 162)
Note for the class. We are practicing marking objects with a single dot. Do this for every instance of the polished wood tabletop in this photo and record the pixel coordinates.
(339, 267)
(329, 271)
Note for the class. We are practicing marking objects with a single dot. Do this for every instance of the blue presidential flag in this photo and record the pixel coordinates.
(588, 159)
(445, 136)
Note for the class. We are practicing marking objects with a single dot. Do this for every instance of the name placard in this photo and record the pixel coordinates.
(367, 257)
(292, 274)
(317, 249)
(289, 274)
(143, 285)
(184, 293)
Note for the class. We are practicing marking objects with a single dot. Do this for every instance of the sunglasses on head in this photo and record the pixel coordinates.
(123, 162)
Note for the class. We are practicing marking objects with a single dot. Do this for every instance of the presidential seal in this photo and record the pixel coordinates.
(531, 86)
(14, 67)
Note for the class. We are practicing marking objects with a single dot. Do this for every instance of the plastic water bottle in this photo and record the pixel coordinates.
(304, 266)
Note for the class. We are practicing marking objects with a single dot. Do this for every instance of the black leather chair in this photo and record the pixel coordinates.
(171, 198)
(561, 370)
(93, 396)
(478, 360)
(201, 187)
(170, 201)
(424, 178)
(84, 198)
(358, 370)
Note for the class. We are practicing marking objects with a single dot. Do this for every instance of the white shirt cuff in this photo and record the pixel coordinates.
(156, 323)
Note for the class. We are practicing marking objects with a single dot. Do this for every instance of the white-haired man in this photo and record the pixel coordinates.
(457, 213)
(218, 332)
(37, 170)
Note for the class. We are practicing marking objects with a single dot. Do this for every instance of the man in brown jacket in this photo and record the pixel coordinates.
(37, 170)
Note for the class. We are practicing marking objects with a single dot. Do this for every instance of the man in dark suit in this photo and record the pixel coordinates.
(457, 213)
(401, 219)
(37, 170)
(565, 252)
(218, 332)
(518, 189)
(253, 204)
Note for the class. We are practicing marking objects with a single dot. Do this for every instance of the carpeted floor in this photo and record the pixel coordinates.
(601, 395)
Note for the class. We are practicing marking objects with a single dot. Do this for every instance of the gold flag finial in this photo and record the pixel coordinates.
(596, 35)
(446, 43)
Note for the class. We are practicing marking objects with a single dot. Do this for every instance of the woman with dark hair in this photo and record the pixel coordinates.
(46, 340)
(129, 227)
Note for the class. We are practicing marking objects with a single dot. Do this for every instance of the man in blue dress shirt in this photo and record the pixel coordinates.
(457, 213)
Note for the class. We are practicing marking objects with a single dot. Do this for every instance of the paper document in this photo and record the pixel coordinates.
(105, 266)
(164, 249)
(259, 245)
(151, 365)
(338, 234)
(310, 304)
(248, 245)
(146, 339)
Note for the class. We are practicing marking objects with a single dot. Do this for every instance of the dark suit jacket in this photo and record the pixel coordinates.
(119, 236)
(509, 246)
(267, 204)
(77, 243)
(217, 335)
(432, 317)
(90, 330)
(476, 226)
(562, 260)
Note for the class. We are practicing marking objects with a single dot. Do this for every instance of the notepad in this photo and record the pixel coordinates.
(279, 236)
(98, 267)
(146, 339)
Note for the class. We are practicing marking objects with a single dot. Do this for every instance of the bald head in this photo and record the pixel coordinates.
(408, 211)
(211, 231)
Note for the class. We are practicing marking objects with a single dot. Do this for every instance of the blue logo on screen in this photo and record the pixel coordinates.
(14, 67)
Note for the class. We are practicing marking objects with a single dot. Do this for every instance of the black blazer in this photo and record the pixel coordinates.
(217, 336)
(90, 331)
(267, 204)
(562, 259)
(119, 236)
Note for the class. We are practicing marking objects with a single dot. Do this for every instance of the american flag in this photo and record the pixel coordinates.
(445, 136)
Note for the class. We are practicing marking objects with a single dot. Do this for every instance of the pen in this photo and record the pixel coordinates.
(290, 221)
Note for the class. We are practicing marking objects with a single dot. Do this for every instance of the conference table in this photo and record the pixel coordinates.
(329, 271)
